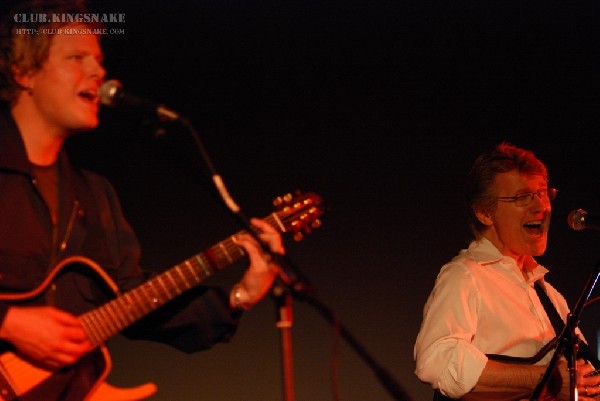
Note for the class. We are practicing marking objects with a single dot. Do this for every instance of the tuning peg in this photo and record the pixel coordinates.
(287, 198)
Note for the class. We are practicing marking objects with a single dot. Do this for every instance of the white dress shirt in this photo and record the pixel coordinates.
(480, 305)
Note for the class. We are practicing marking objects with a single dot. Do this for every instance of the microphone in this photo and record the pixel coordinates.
(111, 94)
(579, 219)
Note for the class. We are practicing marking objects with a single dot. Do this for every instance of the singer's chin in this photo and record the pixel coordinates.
(539, 247)
(86, 124)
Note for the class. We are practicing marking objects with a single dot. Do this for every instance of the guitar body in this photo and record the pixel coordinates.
(107, 392)
(494, 396)
(24, 381)
(32, 383)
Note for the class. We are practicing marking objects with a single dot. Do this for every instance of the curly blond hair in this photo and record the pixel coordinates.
(21, 51)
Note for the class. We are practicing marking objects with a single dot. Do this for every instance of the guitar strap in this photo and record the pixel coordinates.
(555, 319)
(558, 325)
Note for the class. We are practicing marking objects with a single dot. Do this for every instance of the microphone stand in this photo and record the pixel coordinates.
(283, 303)
(291, 283)
(568, 342)
(386, 379)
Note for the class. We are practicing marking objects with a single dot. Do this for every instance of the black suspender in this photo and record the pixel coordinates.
(558, 324)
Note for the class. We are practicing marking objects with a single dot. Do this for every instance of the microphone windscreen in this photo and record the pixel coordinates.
(108, 92)
(576, 219)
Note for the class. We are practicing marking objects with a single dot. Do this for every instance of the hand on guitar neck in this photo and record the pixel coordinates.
(259, 276)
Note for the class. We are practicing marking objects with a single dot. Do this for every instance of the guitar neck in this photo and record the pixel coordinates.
(294, 215)
(111, 318)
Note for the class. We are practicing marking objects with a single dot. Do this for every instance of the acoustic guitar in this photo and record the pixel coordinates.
(22, 380)
(584, 352)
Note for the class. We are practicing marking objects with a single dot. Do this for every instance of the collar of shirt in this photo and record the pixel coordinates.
(485, 253)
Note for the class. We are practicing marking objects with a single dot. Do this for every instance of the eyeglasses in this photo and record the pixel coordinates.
(526, 198)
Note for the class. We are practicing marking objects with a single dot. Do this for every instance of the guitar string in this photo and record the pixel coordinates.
(116, 319)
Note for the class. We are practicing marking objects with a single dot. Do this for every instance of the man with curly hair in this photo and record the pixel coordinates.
(51, 211)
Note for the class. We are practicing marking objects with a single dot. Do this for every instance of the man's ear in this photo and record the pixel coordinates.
(23, 79)
(484, 217)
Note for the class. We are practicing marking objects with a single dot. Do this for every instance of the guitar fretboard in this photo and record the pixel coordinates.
(104, 322)
(109, 319)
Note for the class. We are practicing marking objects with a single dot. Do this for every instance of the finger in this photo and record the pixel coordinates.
(245, 241)
(588, 391)
(269, 235)
(65, 318)
(70, 328)
(249, 244)
(78, 336)
(263, 226)
(63, 359)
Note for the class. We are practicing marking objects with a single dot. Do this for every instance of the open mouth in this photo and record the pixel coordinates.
(89, 96)
(534, 227)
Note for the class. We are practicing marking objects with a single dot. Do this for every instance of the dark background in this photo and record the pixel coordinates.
(378, 106)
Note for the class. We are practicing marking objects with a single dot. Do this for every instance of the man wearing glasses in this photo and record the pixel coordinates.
(484, 302)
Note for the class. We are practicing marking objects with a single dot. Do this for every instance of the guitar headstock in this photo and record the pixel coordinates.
(299, 213)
